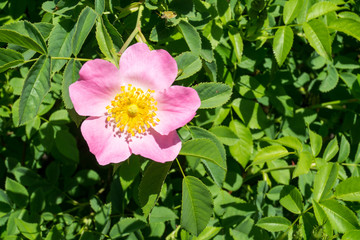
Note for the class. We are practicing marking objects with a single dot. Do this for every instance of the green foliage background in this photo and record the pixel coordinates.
(273, 152)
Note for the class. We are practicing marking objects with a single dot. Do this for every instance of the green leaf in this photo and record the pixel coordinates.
(331, 150)
(324, 181)
(318, 36)
(270, 153)
(36, 86)
(351, 235)
(288, 141)
(83, 27)
(162, 214)
(44, 29)
(282, 43)
(217, 173)
(225, 135)
(104, 41)
(250, 113)
(188, 64)
(344, 151)
(99, 6)
(315, 143)
(66, 145)
(242, 150)
(60, 43)
(348, 190)
(60, 117)
(29, 230)
(208, 233)
(151, 183)
(9, 58)
(274, 224)
(348, 26)
(24, 34)
(303, 165)
(321, 8)
(191, 36)
(341, 218)
(114, 34)
(71, 75)
(280, 176)
(126, 225)
(292, 9)
(236, 41)
(213, 94)
(331, 80)
(17, 193)
(197, 205)
(203, 148)
(322, 219)
(128, 170)
(291, 199)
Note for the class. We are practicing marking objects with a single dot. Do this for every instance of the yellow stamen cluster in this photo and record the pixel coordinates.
(133, 110)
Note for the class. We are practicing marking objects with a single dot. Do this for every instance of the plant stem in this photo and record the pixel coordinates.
(182, 172)
(134, 32)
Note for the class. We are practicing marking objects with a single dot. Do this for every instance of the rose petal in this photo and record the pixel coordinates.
(176, 107)
(98, 84)
(104, 143)
(155, 70)
(160, 148)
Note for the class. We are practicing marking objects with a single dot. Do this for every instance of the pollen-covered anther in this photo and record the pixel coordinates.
(133, 110)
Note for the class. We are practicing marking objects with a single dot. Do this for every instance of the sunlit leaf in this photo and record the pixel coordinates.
(274, 224)
(321, 8)
(303, 164)
(218, 173)
(213, 94)
(318, 36)
(270, 153)
(291, 199)
(331, 80)
(104, 41)
(197, 205)
(24, 34)
(71, 75)
(348, 26)
(243, 149)
(83, 27)
(188, 64)
(36, 86)
(203, 148)
(151, 183)
(324, 181)
(191, 36)
(282, 43)
(344, 151)
(292, 9)
(348, 190)
(9, 58)
(60, 43)
(236, 41)
(315, 143)
(341, 218)
(331, 150)
(29, 230)
(16, 192)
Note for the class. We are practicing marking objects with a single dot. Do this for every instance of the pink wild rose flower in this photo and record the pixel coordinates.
(133, 109)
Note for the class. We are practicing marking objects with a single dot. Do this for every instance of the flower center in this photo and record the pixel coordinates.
(133, 110)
